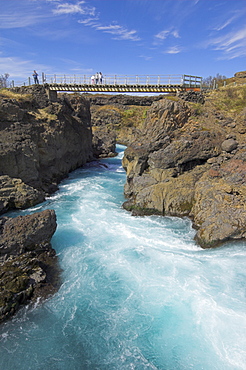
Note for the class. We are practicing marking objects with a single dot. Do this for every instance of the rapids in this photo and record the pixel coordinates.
(137, 292)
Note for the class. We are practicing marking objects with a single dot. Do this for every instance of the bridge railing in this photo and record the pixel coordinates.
(115, 79)
(187, 81)
(192, 81)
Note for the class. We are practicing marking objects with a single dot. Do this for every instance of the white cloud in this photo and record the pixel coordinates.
(232, 44)
(174, 50)
(233, 17)
(19, 68)
(224, 25)
(175, 34)
(89, 21)
(145, 57)
(79, 8)
(161, 36)
(120, 32)
(16, 20)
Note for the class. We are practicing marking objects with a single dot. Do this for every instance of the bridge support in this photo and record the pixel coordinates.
(52, 95)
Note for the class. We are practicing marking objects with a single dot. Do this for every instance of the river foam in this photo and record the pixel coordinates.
(137, 292)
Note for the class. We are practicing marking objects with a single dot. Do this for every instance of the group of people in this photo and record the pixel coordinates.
(97, 78)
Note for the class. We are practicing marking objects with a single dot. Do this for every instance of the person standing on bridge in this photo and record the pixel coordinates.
(97, 77)
(35, 77)
(100, 78)
(92, 80)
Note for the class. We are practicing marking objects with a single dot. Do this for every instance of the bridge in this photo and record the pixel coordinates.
(120, 83)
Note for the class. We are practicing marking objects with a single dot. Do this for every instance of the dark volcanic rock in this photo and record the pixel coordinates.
(192, 96)
(240, 74)
(15, 194)
(190, 161)
(41, 142)
(118, 117)
(25, 233)
(28, 263)
(104, 144)
(229, 145)
(121, 99)
(186, 152)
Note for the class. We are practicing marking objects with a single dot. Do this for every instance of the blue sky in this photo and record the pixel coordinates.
(132, 37)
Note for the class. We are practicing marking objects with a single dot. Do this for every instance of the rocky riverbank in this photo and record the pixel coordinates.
(40, 143)
(185, 156)
(29, 267)
(190, 160)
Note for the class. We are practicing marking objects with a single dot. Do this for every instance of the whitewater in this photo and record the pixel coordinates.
(136, 293)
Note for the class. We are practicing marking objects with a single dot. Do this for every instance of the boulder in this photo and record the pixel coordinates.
(229, 145)
(104, 144)
(28, 264)
(240, 74)
(15, 194)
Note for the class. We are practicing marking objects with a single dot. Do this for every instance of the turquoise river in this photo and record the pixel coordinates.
(136, 293)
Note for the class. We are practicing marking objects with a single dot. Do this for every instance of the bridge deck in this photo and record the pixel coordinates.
(114, 88)
(121, 83)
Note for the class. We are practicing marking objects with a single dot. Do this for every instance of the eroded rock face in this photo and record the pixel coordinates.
(190, 163)
(15, 194)
(240, 74)
(117, 118)
(219, 203)
(41, 142)
(104, 143)
(28, 264)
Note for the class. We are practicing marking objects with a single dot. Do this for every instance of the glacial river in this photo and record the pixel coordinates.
(137, 292)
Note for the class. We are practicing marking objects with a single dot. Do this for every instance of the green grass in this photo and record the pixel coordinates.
(12, 95)
(230, 98)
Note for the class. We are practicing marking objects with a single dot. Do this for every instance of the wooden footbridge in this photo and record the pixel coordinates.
(120, 84)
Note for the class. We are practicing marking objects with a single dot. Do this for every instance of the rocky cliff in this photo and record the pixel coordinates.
(29, 267)
(117, 118)
(40, 142)
(190, 160)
